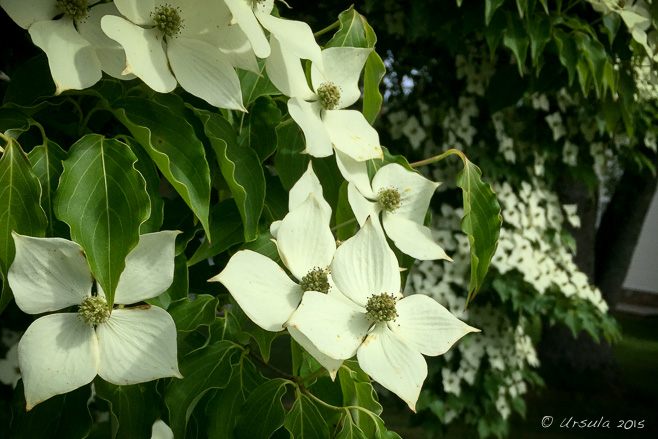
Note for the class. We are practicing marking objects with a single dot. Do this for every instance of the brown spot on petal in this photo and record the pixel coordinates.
(369, 338)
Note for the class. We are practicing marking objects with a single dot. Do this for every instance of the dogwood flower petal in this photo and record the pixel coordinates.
(262, 289)
(393, 364)
(286, 73)
(233, 43)
(161, 430)
(149, 268)
(58, 353)
(342, 68)
(362, 207)
(355, 172)
(110, 53)
(415, 190)
(327, 362)
(138, 11)
(307, 184)
(307, 116)
(351, 133)
(203, 71)
(335, 327)
(296, 36)
(145, 54)
(48, 274)
(427, 326)
(412, 238)
(137, 345)
(26, 12)
(305, 240)
(72, 59)
(243, 15)
(365, 265)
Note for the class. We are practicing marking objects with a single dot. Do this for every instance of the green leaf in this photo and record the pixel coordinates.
(13, 122)
(596, 57)
(226, 228)
(304, 420)
(103, 199)
(522, 6)
(253, 85)
(171, 143)
(490, 7)
(20, 211)
(134, 408)
(482, 221)
(62, 416)
(240, 167)
(259, 128)
(204, 369)
(516, 39)
(264, 340)
(147, 168)
(263, 245)
(350, 430)
(568, 53)
(344, 215)
(225, 407)
(47, 165)
(30, 82)
(539, 30)
(190, 314)
(263, 411)
(358, 391)
(289, 162)
(351, 31)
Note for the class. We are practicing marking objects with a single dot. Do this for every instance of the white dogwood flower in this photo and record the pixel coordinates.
(63, 351)
(296, 36)
(177, 41)
(388, 334)
(76, 47)
(265, 292)
(321, 112)
(403, 197)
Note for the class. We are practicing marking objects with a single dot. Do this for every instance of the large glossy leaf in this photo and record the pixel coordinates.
(226, 228)
(103, 199)
(304, 420)
(253, 86)
(482, 221)
(289, 162)
(241, 169)
(190, 314)
(13, 122)
(225, 406)
(354, 31)
(263, 411)
(516, 39)
(133, 409)
(147, 168)
(350, 430)
(171, 143)
(20, 211)
(258, 130)
(203, 369)
(490, 7)
(47, 165)
(62, 416)
(357, 390)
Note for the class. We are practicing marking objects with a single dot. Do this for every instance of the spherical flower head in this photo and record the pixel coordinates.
(168, 20)
(316, 280)
(329, 95)
(381, 308)
(76, 9)
(389, 199)
(94, 311)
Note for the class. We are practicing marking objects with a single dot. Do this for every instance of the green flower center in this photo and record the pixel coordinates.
(389, 199)
(168, 20)
(316, 280)
(381, 308)
(76, 9)
(329, 95)
(93, 310)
